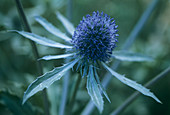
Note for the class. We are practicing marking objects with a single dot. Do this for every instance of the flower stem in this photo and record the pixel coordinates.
(64, 92)
(69, 9)
(73, 96)
(67, 76)
(136, 94)
(35, 51)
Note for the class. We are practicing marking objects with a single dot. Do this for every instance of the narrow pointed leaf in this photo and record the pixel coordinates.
(51, 57)
(42, 40)
(129, 56)
(132, 84)
(101, 86)
(46, 80)
(85, 71)
(78, 65)
(52, 29)
(94, 91)
(68, 25)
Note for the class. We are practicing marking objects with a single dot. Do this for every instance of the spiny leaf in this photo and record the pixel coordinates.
(52, 29)
(129, 56)
(94, 91)
(41, 40)
(51, 57)
(101, 86)
(68, 25)
(132, 84)
(46, 80)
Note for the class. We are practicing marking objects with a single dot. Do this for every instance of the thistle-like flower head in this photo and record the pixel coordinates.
(95, 37)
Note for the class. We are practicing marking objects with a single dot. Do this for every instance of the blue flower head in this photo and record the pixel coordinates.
(95, 37)
(92, 41)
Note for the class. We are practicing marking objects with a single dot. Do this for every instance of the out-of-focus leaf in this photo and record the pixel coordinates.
(13, 86)
(52, 29)
(129, 56)
(68, 25)
(47, 79)
(51, 57)
(132, 84)
(94, 90)
(14, 104)
(41, 40)
(2, 28)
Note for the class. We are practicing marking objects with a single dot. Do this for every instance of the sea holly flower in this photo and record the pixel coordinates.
(90, 47)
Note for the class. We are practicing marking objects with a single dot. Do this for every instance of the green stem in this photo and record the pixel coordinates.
(69, 9)
(35, 51)
(72, 99)
(136, 94)
(67, 76)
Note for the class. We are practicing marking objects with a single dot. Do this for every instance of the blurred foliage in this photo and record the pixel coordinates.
(13, 103)
(18, 68)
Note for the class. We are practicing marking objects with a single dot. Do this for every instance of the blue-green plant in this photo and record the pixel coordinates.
(90, 47)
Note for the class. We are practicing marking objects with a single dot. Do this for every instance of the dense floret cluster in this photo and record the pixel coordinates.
(94, 38)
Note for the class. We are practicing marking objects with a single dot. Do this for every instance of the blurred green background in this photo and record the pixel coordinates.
(18, 67)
